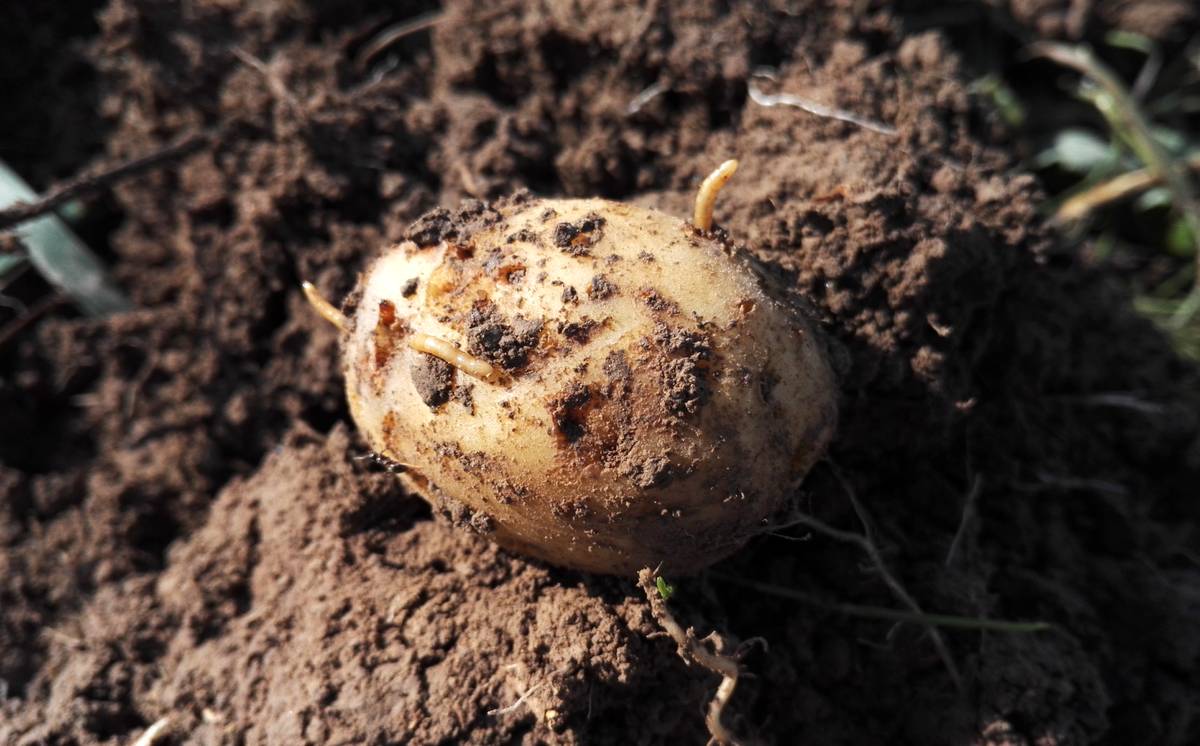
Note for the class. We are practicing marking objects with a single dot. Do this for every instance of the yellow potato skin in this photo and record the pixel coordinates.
(651, 405)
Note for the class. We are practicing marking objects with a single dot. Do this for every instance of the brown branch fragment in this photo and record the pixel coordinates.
(694, 650)
(89, 183)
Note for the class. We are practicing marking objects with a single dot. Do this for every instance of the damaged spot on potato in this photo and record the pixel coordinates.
(524, 235)
(568, 411)
(507, 269)
(388, 331)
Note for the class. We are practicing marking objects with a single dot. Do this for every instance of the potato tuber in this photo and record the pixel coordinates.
(599, 385)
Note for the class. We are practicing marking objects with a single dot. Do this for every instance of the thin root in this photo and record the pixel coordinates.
(154, 733)
(394, 33)
(694, 650)
(866, 542)
(525, 697)
(812, 107)
(706, 196)
(440, 348)
(323, 307)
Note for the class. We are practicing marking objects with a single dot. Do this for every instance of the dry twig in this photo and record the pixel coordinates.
(694, 650)
(88, 183)
(36, 311)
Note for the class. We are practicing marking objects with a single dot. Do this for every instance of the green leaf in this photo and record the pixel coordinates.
(1078, 150)
(59, 255)
(1130, 40)
(1003, 98)
(1153, 199)
(1180, 240)
(1172, 140)
(664, 589)
(9, 263)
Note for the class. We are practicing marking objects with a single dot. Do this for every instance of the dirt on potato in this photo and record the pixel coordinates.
(191, 529)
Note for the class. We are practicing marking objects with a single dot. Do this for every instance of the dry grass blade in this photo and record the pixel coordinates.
(1115, 189)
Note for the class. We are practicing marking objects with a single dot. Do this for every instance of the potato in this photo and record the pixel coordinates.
(598, 385)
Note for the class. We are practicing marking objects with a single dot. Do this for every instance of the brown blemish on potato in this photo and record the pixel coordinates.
(389, 426)
(616, 367)
(654, 471)
(388, 332)
(766, 385)
(512, 274)
(507, 269)
(443, 280)
(576, 509)
(568, 412)
(524, 236)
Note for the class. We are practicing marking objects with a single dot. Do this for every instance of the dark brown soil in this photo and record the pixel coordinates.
(189, 528)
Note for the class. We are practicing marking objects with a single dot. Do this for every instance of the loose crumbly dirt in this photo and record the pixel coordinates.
(188, 528)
